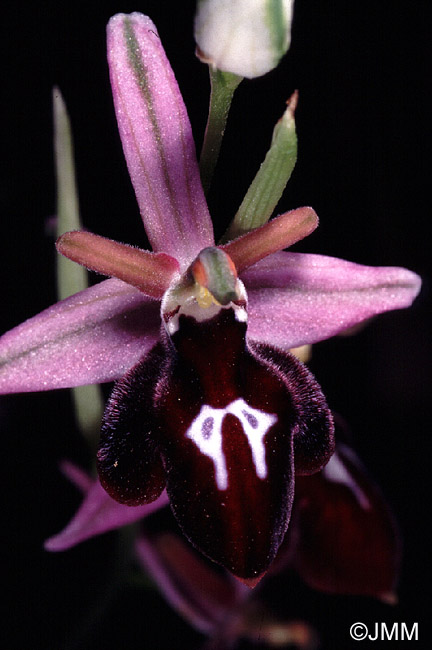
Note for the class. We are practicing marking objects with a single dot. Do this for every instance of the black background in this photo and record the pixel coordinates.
(363, 74)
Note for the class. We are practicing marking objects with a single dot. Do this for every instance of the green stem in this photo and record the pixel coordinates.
(223, 85)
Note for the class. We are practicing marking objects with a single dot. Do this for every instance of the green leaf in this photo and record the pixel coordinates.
(268, 185)
(71, 277)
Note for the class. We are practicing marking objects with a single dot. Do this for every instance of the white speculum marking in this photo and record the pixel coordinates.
(206, 432)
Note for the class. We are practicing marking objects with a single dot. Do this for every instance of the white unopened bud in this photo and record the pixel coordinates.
(245, 37)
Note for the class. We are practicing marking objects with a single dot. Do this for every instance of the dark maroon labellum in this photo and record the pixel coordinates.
(228, 420)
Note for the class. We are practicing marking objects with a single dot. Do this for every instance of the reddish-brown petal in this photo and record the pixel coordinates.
(149, 272)
(279, 233)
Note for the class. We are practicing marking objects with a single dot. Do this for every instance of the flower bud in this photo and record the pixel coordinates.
(245, 37)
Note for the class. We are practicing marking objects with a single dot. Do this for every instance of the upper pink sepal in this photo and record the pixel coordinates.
(94, 336)
(98, 514)
(157, 139)
(297, 298)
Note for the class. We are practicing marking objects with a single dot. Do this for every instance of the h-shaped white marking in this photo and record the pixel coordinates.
(206, 432)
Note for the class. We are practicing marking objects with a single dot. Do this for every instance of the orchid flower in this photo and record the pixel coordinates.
(209, 401)
(342, 540)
